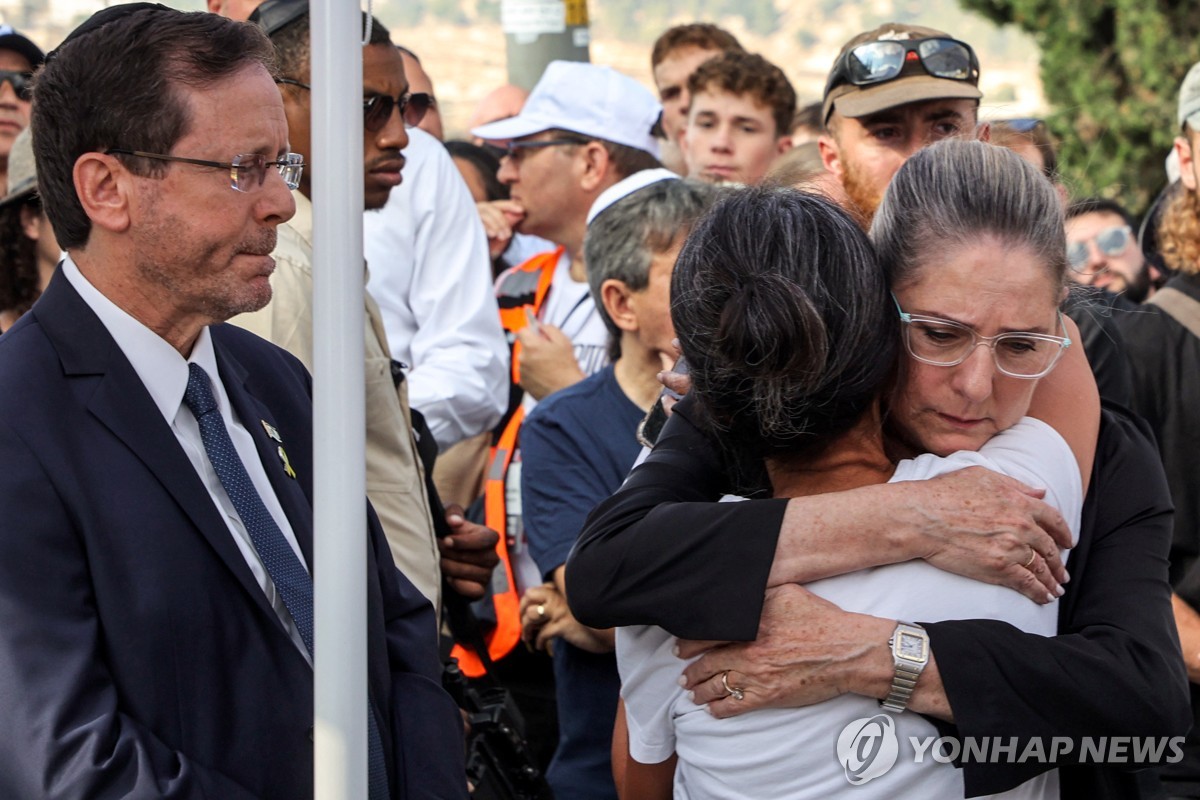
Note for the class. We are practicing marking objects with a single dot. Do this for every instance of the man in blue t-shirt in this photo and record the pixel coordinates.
(579, 443)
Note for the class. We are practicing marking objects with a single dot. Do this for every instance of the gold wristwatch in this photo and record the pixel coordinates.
(910, 651)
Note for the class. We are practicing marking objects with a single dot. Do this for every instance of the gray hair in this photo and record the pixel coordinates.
(953, 191)
(623, 239)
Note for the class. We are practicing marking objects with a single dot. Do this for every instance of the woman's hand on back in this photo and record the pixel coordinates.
(988, 527)
(808, 650)
(973, 522)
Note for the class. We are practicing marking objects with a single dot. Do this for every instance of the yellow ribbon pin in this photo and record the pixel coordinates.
(287, 466)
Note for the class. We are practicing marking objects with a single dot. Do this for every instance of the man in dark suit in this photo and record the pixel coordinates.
(155, 593)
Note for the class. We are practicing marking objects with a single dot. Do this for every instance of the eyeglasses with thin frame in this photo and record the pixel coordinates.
(516, 149)
(21, 82)
(876, 62)
(247, 172)
(377, 109)
(945, 343)
(1110, 241)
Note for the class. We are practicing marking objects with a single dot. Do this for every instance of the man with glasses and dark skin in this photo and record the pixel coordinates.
(395, 483)
(19, 57)
(157, 627)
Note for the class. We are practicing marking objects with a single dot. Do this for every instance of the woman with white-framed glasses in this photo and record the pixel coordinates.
(971, 240)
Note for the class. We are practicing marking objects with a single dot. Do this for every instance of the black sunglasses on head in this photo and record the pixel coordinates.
(882, 61)
(21, 82)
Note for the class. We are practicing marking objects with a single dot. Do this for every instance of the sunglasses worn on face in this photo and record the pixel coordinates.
(1110, 241)
(879, 62)
(21, 82)
(247, 173)
(377, 109)
(945, 343)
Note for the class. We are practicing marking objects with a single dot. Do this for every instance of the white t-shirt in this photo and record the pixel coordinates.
(791, 753)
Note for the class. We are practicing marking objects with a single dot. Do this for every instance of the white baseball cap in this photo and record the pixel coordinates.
(584, 98)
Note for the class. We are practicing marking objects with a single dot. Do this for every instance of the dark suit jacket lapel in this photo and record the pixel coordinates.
(253, 413)
(107, 384)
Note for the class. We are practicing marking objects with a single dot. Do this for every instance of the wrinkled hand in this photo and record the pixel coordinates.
(545, 616)
(499, 218)
(468, 554)
(985, 526)
(808, 650)
(547, 360)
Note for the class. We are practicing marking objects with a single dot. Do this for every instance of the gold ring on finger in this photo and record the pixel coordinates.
(736, 692)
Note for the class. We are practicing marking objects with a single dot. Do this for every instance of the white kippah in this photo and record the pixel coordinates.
(626, 187)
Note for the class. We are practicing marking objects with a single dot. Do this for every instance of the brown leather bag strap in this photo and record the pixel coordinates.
(1183, 309)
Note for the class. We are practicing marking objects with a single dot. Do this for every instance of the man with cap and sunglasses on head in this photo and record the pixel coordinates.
(430, 276)
(583, 129)
(892, 91)
(1163, 341)
(19, 57)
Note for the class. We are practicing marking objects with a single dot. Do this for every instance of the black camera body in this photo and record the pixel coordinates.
(500, 764)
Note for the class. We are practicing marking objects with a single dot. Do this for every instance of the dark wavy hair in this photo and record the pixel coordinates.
(18, 259)
(785, 320)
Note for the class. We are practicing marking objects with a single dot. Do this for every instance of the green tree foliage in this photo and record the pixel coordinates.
(1111, 71)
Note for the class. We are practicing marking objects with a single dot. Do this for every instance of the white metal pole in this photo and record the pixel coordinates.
(340, 700)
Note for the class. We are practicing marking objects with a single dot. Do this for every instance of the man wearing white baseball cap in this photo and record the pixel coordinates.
(583, 129)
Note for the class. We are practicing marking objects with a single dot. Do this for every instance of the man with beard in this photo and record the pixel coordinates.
(1102, 250)
(395, 480)
(156, 585)
(1163, 341)
(892, 91)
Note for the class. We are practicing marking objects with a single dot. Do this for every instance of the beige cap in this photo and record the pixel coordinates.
(22, 173)
(913, 84)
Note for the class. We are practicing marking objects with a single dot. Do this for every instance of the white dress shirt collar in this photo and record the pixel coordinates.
(161, 368)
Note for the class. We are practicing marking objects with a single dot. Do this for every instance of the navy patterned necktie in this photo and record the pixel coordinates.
(291, 580)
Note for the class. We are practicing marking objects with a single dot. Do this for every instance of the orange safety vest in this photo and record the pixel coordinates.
(519, 292)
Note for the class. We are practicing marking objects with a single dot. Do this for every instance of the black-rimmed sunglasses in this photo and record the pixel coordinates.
(377, 109)
(21, 82)
(882, 61)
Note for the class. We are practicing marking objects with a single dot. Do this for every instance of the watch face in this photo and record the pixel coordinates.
(911, 647)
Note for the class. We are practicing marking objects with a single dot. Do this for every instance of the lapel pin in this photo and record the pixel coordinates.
(274, 434)
(287, 466)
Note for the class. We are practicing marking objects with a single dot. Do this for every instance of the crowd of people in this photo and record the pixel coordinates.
(924, 459)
